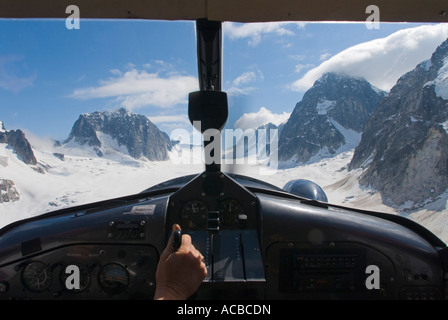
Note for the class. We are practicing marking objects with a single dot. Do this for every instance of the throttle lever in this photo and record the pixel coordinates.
(177, 239)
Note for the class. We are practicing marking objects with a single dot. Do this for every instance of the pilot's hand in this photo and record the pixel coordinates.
(180, 271)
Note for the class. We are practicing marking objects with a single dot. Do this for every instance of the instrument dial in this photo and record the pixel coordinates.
(113, 278)
(194, 214)
(229, 212)
(37, 276)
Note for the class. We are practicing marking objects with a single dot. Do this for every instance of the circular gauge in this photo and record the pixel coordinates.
(75, 278)
(229, 210)
(194, 214)
(113, 278)
(36, 276)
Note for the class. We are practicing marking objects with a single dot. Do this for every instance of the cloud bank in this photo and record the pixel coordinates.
(255, 31)
(381, 61)
(257, 119)
(241, 84)
(134, 89)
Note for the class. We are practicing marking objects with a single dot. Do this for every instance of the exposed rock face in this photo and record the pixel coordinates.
(136, 132)
(8, 191)
(404, 149)
(257, 142)
(17, 141)
(319, 123)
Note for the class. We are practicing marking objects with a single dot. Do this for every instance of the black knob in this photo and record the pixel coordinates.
(177, 239)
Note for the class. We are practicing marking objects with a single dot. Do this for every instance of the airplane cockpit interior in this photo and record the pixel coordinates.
(259, 241)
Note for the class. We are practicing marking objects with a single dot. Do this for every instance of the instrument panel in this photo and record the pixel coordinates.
(85, 272)
(222, 219)
(194, 214)
(212, 202)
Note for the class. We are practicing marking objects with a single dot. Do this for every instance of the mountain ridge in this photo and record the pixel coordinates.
(135, 132)
(404, 149)
(316, 127)
(17, 140)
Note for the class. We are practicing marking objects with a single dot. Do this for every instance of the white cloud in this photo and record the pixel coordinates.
(381, 61)
(255, 31)
(297, 57)
(116, 72)
(134, 89)
(183, 118)
(168, 123)
(300, 67)
(324, 56)
(235, 91)
(239, 86)
(263, 116)
(245, 78)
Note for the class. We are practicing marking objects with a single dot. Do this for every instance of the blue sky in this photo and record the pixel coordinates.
(49, 75)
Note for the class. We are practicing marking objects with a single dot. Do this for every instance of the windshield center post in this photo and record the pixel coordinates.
(208, 108)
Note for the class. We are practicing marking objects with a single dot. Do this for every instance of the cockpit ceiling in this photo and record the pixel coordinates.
(232, 10)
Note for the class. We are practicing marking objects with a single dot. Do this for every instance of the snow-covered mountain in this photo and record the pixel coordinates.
(256, 143)
(121, 131)
(329, 120)
(404, 149)
(73, 174)
(107, 154)
(14, 144)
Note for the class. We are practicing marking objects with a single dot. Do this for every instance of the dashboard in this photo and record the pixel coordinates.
(259, 242)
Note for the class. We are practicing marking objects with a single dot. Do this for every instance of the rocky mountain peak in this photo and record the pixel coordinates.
(335, 108)
(17, 141)
(133, 131)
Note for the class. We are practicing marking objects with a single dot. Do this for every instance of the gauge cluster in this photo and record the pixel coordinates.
(213, 199)
(102, 272)
(194, 214)
(222, 218)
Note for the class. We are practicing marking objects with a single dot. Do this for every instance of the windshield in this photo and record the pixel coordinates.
(92, 110)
